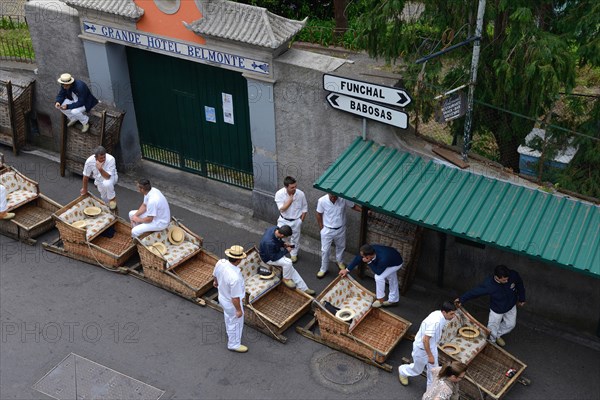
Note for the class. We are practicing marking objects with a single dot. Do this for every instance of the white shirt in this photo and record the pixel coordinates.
(3, 202)
(431, 326)
(334, 214)
(157, 207)
(298, 206)
(230, 280)
(90, 170)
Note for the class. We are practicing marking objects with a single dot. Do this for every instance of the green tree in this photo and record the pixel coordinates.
(530, 50)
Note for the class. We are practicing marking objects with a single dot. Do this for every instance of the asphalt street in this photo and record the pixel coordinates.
(52, 306)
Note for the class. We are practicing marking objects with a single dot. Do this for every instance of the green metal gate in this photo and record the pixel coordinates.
(175, 101)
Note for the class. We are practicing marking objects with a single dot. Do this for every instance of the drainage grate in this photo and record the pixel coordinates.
(341, 369)
(76, 377)
(341, 372)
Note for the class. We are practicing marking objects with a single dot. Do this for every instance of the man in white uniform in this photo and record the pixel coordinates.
(425, 351)
(154, 213)
(102, 167)
(331, 217)
(4, 205)
(292, 206)
(229, 281)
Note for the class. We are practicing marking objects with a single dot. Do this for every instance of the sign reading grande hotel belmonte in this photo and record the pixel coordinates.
(190, 51)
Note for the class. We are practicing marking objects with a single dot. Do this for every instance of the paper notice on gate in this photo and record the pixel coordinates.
(211, 115)
(227, 108)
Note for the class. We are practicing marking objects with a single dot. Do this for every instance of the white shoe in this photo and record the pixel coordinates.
(86, 127)
(71, 122)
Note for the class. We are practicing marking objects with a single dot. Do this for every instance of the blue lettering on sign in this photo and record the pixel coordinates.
(187, 50)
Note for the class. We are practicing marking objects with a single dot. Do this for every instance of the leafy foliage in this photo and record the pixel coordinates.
(530, 51)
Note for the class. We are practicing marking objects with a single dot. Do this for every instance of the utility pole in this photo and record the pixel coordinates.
(474, 64)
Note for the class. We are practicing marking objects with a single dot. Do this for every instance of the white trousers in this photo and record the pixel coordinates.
(296, 226)
(389, 274)
(337, 237)
(75, 113)
(106, 187)
(3, 202)
(138, 229)
(289, 272)
(233, 325)
(501, 324)
(420, 361)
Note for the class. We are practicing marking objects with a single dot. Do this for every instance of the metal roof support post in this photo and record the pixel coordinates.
(364, 131)
(474, 64)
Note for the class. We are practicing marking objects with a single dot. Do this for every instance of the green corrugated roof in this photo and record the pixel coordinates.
(556, 229)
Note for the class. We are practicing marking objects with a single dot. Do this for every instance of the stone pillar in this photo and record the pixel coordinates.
(109, 75)
(264, 151)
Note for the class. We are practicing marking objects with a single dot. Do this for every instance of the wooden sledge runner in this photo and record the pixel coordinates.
(132, 267)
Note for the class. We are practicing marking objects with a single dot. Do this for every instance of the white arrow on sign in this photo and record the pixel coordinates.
(368, 110)
(368, 91)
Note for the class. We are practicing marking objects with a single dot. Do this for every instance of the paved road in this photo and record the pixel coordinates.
(51, 306)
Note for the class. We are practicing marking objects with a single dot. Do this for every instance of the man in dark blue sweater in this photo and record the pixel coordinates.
(74, 99)
(272, 250)
(385, 262)
(506, 291)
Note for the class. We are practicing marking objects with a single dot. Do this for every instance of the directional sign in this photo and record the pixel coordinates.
(368, 110)
(368, 91)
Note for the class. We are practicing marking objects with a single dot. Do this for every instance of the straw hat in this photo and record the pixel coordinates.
(176, 235)
(158, 248)
(92, 211)
(66, 79)
(81, 224)
(265, 273)
(451, 348)
(345, 314)
(235, 251)
(468, 332)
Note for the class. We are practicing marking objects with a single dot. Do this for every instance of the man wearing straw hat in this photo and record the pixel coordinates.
(102, 167)
(229, 281)
(3, 205)
(75, 99)
(153, 215)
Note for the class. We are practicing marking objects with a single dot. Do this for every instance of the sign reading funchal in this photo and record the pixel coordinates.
(352, 94)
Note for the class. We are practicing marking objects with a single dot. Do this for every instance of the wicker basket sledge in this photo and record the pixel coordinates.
(190, 277)
(488, 373)
(69, 233)
(278, 309)
(108, 252)
(373, 335)
(31, 220)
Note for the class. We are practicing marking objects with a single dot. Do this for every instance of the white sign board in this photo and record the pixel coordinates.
(365, 109)
(368, 91)
(186, 50)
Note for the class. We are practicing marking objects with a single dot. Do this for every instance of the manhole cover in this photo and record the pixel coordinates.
(341, 369)
(76, 377)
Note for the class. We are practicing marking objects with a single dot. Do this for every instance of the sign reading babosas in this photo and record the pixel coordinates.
(186, 50)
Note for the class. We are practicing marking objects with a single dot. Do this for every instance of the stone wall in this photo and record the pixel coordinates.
(553, 293)
(54, 29)
(311, 135)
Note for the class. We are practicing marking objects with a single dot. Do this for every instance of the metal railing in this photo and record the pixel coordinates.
(13, 46)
